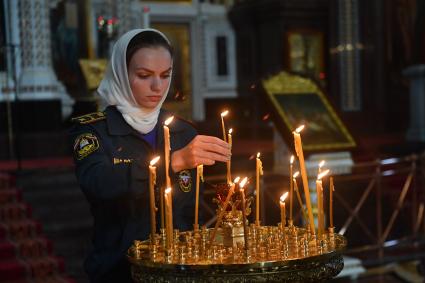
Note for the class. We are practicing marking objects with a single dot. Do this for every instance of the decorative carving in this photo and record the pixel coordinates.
(37, 78)
(34, 33)
(125, 14)
(348, 51)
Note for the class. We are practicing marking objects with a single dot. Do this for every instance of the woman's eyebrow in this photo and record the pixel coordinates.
(151, 71)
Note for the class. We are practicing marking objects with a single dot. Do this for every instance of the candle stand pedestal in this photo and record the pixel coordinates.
(275, 255)
(232, 231)
(235, 251)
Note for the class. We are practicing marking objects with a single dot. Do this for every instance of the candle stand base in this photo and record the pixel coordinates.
(319, 269)
(274, 255)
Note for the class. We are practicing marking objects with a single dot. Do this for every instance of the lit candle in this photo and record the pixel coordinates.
(300, 154)
(168, 218)
(300, 201)
(224, 113)
(331, 208)
(291, 188)
(167, 149)
(223, 210)
(228, 163)
(152, 182)
(199, 177)
(283, 209)
(320, 212)
(245, 230)
(258, 173)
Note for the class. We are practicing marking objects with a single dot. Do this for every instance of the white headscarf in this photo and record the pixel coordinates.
(115, 87)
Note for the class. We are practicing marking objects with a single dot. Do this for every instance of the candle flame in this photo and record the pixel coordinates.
(155, 160)
(283, 197)
(296, 174)
(168, 190)
(236, 179)
(292, 159)
(323, 174)
(321, 163)
(230, 131)
(224, 113)
(258, 155)
(243, 182)
(168, 121)
(299, 129)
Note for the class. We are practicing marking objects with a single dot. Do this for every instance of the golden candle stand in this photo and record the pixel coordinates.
(265, 253)
(274, 254)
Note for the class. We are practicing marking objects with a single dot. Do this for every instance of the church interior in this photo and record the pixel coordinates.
(351, 71)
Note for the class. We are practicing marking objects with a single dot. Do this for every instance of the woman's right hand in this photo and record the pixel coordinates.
(201, 150)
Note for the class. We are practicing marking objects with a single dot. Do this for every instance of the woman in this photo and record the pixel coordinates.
(112, 150)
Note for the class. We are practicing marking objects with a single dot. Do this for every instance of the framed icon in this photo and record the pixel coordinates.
(297, 100)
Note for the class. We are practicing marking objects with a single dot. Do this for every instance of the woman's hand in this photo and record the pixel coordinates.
(201, 150)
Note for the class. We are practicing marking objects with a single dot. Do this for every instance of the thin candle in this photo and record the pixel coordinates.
(199, 177)
(283, 209)
(228, 163)
(168, 218)
(291, 187)
(320, 212)
(222, 115)
(152, 182)
(245, 230)
(300, 202)
(258, 173)
(300, 154)
(319, 191)
(223, 210)
(167, 149)
(331, 208)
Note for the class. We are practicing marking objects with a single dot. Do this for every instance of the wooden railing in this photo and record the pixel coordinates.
(395, 186)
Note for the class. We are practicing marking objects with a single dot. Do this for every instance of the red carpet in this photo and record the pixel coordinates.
(25, 255)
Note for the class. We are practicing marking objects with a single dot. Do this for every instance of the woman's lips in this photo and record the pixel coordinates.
(154, 98)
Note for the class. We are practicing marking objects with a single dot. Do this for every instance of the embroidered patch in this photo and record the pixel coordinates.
(84, 145)
(121, 160)
(89, 118)
(185, 181)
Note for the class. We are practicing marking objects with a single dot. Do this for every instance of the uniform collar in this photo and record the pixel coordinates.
(118, 126)
(116, 123)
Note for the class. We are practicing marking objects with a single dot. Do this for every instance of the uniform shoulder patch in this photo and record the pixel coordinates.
(185, 181)
(85, 145)
(89, 118)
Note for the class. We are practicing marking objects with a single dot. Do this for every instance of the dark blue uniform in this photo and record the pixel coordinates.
(112, 169)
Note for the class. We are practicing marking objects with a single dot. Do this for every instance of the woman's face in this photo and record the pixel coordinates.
(149, 74)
